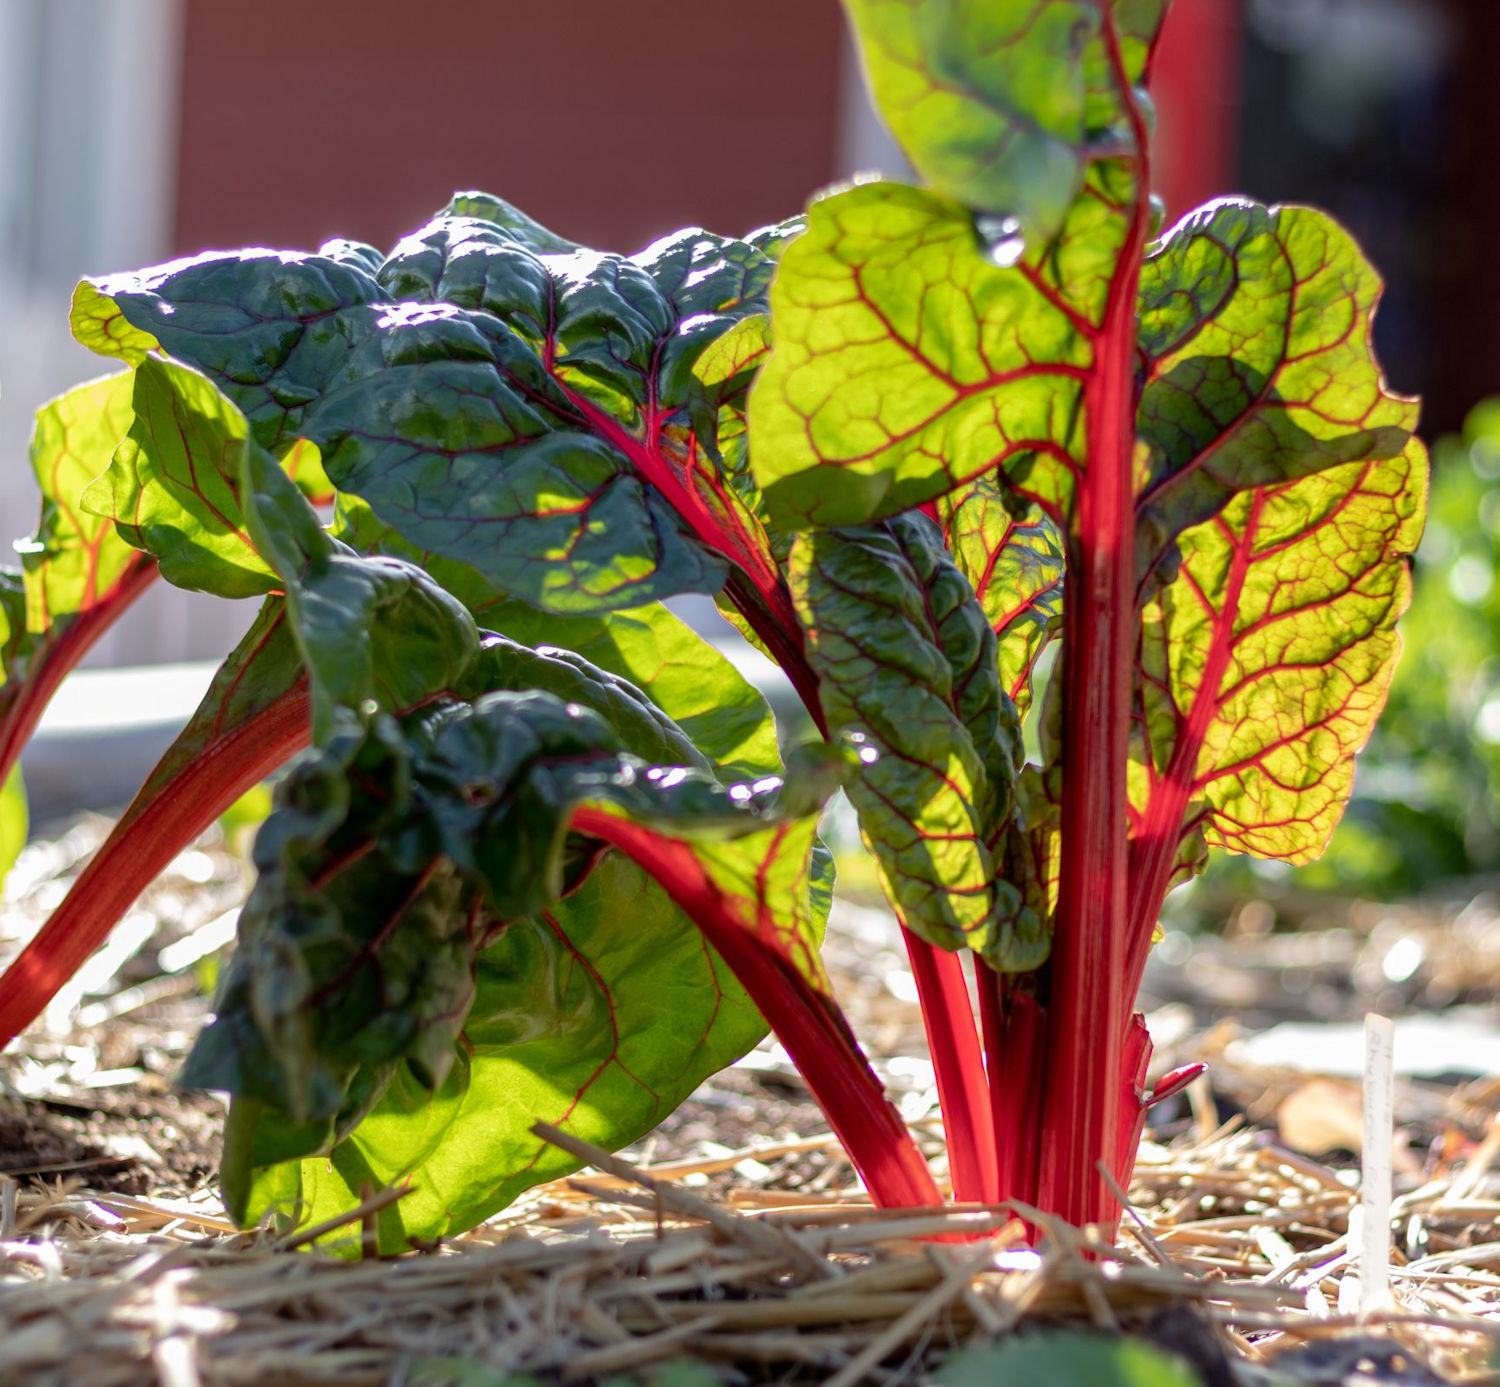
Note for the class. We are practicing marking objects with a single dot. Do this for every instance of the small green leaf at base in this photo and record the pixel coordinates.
(1068, 1360)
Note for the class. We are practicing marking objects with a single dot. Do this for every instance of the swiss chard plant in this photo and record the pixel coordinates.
(542, 855)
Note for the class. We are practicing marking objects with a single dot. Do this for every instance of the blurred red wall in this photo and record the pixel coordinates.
(304, 119)
(1196, 86)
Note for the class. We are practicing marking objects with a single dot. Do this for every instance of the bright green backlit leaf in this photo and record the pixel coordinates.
(1266, 661)
(172, 489)
(13, 820)
(74, 564)
(12, 627)
(75, 558)
(1255, 341)
(1002, 104)
(1013, 559)
(906, 363)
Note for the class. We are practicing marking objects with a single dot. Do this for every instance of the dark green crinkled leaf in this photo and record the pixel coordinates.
(909, 673)
(496, 394)
(725, 717)
(398, 853)
(1255, 346)
(370, 628)
(1013, 559)
(513, 222)
(352, 952)
(1002, 104)
(394, 855)
(575, 1020)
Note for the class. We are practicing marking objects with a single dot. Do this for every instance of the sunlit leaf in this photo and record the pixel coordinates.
(1002, 104)
(1266, 661)
(13, 820)
(1013, 558)
(538, 398)
(1255, 346)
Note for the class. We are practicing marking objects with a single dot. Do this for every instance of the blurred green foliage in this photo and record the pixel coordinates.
(1069, 1360)
(13, 820)
(242, 820)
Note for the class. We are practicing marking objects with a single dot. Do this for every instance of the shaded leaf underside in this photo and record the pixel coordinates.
(910, 676)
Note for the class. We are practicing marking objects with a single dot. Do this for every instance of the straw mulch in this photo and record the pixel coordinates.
(617, 1271)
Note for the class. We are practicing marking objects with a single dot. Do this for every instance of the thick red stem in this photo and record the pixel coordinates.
(807, 1022)
(958, 1062)
(1091, 990)
(149, 835)
(1015, 1033)
(22, 708)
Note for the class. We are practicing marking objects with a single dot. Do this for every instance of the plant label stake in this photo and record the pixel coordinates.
(1373, 1246)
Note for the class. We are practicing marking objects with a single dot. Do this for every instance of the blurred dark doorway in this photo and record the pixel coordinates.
(1384, 113)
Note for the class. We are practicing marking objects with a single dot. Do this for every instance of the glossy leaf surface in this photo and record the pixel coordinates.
(371, 629)
(723, 715)
(537, 397)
